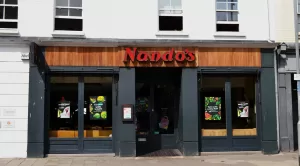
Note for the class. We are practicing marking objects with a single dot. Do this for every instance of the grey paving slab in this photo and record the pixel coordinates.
(15, 162)
(28, 162)
(289, 159)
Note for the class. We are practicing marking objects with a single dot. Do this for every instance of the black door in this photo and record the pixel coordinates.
(148, 138)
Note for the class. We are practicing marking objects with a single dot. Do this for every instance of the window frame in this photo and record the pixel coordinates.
(69, 7)
(298, 7)
(228, 11)
(173, 12)
(9, 20)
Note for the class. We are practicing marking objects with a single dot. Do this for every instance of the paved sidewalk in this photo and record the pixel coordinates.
(288, 159)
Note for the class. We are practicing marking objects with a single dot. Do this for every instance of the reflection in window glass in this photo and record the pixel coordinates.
(63, 121)
(213, 106)
(243, 106)
(97, 107)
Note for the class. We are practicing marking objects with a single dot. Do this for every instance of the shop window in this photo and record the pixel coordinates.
(9, 14)
(97, 107)
(68, 15)
(212, 108)
(170, 15)
(227, 15)
(63, 113)
(243, 97)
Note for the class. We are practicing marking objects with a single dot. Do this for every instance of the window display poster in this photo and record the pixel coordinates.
(98, 108)
(127, 112)
(213, 108)
(243, 109)
(64, 110)
(142, 104)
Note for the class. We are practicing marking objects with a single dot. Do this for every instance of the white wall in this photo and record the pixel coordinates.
(283, 17)
(14, 81)
(138, 19)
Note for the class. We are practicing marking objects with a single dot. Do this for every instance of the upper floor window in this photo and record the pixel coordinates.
(9, 14)
(170, 15)
(227, 15)
(68, 16)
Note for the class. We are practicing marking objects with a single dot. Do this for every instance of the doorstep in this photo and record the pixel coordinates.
(230, 153)
(81, 155)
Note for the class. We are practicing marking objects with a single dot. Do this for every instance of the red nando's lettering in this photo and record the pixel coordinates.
(169, 56)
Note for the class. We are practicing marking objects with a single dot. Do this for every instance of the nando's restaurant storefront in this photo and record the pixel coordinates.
(143, 101)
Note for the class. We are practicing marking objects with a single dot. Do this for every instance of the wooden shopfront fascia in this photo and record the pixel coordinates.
(153, 57)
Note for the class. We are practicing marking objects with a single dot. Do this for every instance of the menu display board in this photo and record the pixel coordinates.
(63, 110)
(98, 108)
(213, 108)
(243, 109)
(142, 104)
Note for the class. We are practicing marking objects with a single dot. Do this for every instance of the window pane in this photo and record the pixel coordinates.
(221, 0)
(1, 1)
(62, 12)
(221, 16)
(221, 6)
(176, 4)
(232, 0)
(11, 12)
(164, 4)
(232, 6)
(298, 8)
(63, 120)
(98, 107)
(61, 2)
(243, 99)
(75, 12)
(75, 3)
(14, 2)
(213, 110)
(232, 16)
(1, 12)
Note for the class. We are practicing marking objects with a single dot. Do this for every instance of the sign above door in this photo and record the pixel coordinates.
(134, 55)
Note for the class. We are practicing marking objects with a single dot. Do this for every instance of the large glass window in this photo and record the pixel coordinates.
(241, 92)
(97, 107)
(243, 106)
(213, 111)
(63, 107)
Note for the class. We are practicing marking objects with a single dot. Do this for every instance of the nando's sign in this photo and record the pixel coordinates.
(154, 56)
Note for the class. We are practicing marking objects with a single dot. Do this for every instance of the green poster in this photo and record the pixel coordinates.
(98, 108)
(213, 108)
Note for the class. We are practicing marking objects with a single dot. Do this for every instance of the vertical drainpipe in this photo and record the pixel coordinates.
(276, 97)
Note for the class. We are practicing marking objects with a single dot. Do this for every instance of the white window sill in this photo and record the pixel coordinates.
(229, 34)
(9, 32)
(72, 34)
(172, 33)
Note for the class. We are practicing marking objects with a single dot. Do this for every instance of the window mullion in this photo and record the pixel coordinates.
(3, 12)
(69, 7)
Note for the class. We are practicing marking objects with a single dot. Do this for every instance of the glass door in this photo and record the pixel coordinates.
(80, 114)
(228, 112)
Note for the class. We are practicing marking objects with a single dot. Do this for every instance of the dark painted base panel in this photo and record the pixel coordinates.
(71, 146)
(270, 147)
(190, 149)
(222, 144)
(127, 149)
(35, 150)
